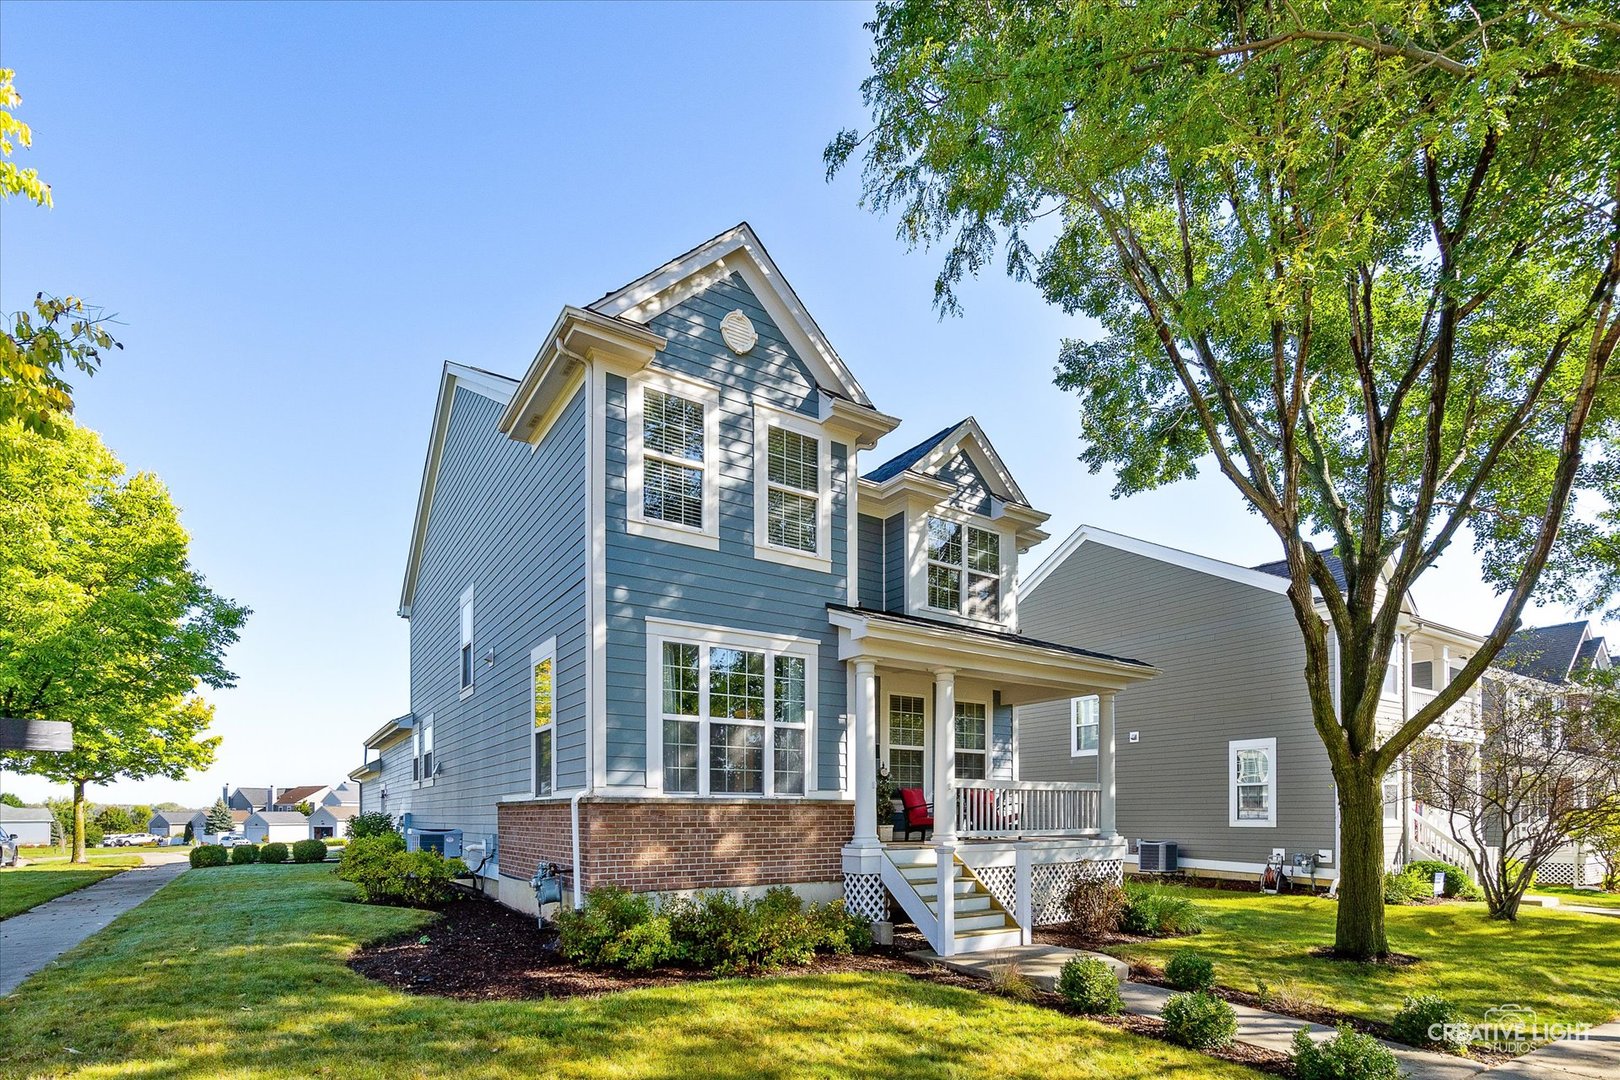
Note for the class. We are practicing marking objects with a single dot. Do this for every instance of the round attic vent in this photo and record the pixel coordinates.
(739, 333)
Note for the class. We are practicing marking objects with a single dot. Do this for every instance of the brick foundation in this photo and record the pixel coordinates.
(667, 845)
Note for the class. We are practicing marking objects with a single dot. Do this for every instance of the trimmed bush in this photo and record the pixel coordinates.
(1345, 1056)
(273, 852)
(307, 851)
(1095, 908)
(374, 823)
(209, 855)
(1154, 912)
(1190, 971)
(1090, 985)
(1457, 884)
(1402, 888)
(1199, 1020)
(419, 879)
(589, 936)
(243, 854)
(359, 854)
(1430, 1020)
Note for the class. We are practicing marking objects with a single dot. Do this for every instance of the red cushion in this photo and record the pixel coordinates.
(916, 806)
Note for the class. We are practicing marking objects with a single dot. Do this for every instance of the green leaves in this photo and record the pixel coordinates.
(36, 348)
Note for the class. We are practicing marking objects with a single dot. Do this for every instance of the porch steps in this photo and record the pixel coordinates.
(981, 923)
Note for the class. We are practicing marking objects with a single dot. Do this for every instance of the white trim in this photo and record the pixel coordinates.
(708, 396)
(765, 418)
(1075, 749)
(467, 644)
(985, 459)
(661, 631)
(1173, 556)
(546, 650)
(1233, 748)
(852, 529)
(966, 520)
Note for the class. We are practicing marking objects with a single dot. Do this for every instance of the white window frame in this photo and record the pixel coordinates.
(989, 735)
(662, 631)
(547, 650)
(425, 759)
(1075, 749)
(1232, 750)
(921, 746)
(1003, 573)
(765, 418)
(1391, 687)
(636, 520)
(466, 654)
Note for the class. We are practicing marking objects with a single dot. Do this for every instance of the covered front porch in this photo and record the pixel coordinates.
(936, 705)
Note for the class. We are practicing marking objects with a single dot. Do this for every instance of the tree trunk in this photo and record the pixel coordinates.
(78, 823)
(1359, 934)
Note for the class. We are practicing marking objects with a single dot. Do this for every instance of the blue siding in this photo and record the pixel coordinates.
(728, 587)
(508, 521)
(894, 563)
(870, 561)
(972, 493)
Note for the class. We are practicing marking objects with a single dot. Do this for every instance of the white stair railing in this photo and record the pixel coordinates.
(1434, 839)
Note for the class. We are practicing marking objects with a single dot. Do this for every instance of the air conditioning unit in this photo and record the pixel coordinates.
(446, 842)
(1156, 857)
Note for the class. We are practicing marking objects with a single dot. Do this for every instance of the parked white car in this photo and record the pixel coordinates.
(138, 839)
(232, 839)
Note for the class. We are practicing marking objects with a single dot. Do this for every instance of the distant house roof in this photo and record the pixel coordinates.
(174, 817)
(1551, 653)
(258, 796)
(25, 813)
(280, 817)
(345, 794)
(294, 795)
(237, 816)
(342, 811)
(1334, 564)
(1590, 654)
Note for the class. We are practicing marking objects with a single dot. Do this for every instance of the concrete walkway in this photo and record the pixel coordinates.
(1596, 1057)
(33, 939)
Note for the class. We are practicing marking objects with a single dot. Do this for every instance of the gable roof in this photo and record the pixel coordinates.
(1203, 564)
(258, 796)
(173, 817)
(1590, 652)
(340, 812)
(280, 817)
(1334, 564)
(737, 250)
(938, 447)
(1548, 653)
(25, 813)
(299, 794)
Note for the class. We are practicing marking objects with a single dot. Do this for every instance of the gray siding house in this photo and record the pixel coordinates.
(1219, 754)
(664, 633)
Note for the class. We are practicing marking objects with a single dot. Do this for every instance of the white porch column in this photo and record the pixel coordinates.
(1105, 765)
(944, 756)
(1024, 891)
(864, 748)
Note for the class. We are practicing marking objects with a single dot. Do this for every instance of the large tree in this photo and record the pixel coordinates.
(1362, 256)
(103, 620)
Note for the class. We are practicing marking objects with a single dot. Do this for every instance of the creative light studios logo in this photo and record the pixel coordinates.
(1511, 1028)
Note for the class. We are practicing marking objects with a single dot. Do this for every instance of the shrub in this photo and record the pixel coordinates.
(356, 856)
(373, 823)
(1430, 1020)
(1199, 1020)
(1457, 880)
(209, 855)
(1090, 985)
(242, 854)
(307, 851)
(334, 841)
(1154, 912)
(1095, 907)
(839, 932)
(1401, 888)
(273, 852)
(420, 879)
(1345, 1056)
(588, 936)
(1009, 981)
(1190, 971)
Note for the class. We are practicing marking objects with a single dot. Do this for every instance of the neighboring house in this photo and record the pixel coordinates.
(285, 826)
(289, 798)
(662, 631)
(345, 794)
(31, 825)
(171, 822)
(1219, 754)
(199, 825)
(249, 799)
(328, 822)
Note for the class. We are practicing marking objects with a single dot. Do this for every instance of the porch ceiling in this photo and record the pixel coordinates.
(1024, 669)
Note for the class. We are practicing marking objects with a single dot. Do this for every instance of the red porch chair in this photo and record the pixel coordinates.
(919, 812)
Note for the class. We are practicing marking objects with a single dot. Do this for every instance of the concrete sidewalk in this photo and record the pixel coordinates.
(33, 939)
(1595, 1057)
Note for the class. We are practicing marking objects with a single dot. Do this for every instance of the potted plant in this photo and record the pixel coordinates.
(885, 803)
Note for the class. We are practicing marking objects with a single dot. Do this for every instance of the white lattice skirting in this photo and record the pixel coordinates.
(865, 895)
(1049, 884)
(1566, 873)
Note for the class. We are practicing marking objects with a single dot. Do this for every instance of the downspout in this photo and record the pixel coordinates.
(573, 810)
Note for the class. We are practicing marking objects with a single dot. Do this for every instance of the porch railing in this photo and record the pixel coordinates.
(1026, 808)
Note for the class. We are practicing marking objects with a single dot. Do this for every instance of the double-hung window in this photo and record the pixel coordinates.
(1252, 771)
(465, 656)
(1083, 726)
(964, 569)
(733, 717)
(907, 722)
(792, 490)
(972, 744)
(543, 702)
(670, 472)
(425, 750)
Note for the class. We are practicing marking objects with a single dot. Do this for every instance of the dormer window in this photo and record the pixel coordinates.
(964, 569)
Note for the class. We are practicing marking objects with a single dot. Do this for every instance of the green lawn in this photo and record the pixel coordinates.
(1586, 897)
(23, 887)
(1564, 965)
(239, 973)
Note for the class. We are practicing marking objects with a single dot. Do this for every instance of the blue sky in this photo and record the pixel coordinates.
(300, 211)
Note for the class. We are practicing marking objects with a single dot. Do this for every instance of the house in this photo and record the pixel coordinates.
(328, 822)
(30, 825)
(285, 826)
(345, 794)
(663, 631)
(1219, 753)
(290, 798)
(249, 799)
(199, 825)
(171, 822)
